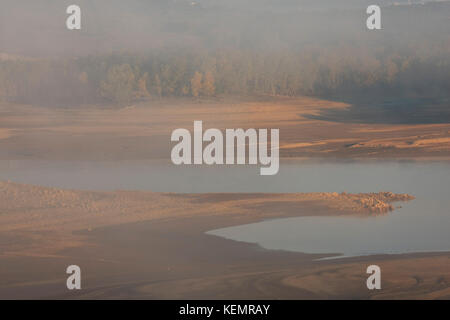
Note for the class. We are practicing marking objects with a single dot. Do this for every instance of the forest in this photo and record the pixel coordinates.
(142, 50)
(122, 79)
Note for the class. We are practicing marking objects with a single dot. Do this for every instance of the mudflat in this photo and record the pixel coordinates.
(133, 244)
(136, 244)
(142, 131)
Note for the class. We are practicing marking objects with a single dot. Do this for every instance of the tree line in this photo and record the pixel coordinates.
(122, 79)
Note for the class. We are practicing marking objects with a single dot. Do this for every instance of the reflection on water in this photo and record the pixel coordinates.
(305, 176)
(416, 227)
(421, 225)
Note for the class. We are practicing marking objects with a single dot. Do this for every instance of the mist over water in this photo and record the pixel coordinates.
(93, 109)
(248, 48)
(132, 51)
(37, 28)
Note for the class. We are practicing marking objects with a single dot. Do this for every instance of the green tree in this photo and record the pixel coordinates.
(196, 84)
(142, 92)
(157, 87)
(119, 84)
(208, 87)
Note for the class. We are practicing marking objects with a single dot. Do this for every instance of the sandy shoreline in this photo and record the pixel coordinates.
(142, 131)
(154, 246)
(135, 244)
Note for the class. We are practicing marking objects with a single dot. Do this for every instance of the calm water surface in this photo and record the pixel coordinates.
(421, 225)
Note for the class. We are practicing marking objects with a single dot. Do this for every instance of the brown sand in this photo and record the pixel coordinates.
(143, 131)
(153, 245)
(5, 133)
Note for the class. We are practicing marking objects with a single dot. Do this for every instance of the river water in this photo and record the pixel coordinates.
(421, 225)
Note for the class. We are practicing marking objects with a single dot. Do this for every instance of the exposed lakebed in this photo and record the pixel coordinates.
(421, 225)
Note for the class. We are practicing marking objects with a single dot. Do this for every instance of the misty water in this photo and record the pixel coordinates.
(421, 225)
